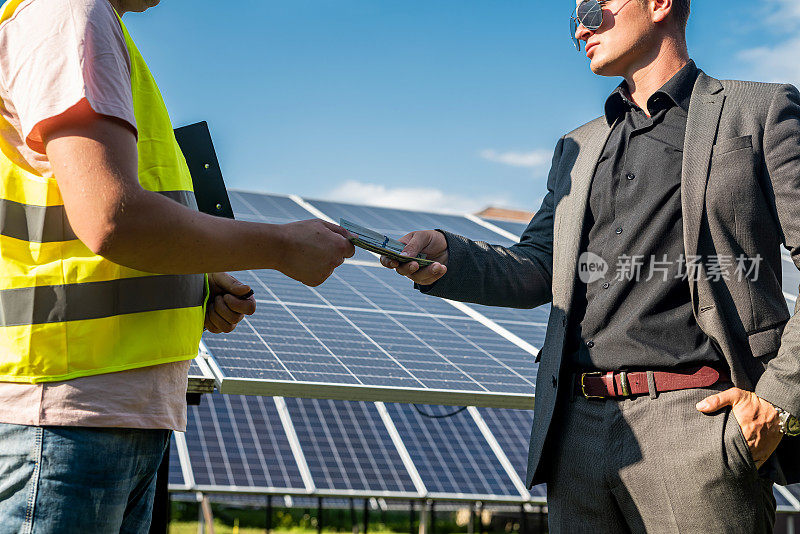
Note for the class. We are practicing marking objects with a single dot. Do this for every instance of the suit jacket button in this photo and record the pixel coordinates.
(555, 382)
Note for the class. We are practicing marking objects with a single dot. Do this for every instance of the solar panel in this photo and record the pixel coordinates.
(515, 228)
(793, 497)
(512, 430)
(347, 447)
(368, 330)
(781, 500)
(366, 327)
(794, 489)
(239, 442)
(320, 344)
(451, 454)
(176, 480)
(275, 209)
(791, 281)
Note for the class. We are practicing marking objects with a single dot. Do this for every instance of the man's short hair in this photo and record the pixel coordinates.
(680, 9)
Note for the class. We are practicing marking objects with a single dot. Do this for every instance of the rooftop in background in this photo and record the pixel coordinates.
(505, 214)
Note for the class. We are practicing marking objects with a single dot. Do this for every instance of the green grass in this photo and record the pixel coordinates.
(190, 527)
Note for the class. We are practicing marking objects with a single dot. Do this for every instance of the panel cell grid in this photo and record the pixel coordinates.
(175, 473)
(347, 446)
(273, 209)
(451, 454)
(361, 329)
(512, 429)
(239, 441)
(194, 370)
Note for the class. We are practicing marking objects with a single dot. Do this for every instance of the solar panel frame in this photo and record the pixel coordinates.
(201, 379)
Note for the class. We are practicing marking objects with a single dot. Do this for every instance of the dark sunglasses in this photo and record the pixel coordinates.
(589, 14)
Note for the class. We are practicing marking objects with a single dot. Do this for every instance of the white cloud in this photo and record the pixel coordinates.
(535, 159)
(413, 198)
(778, 63)
(782, 14)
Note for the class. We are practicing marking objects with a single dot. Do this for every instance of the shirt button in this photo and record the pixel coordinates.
(630, 176)
(606, 285)
(618, 230)
(590, 344)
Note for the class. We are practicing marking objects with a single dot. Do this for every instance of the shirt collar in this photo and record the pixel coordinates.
(678, 89)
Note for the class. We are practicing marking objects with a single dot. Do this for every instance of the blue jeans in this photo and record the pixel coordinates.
(74, 479)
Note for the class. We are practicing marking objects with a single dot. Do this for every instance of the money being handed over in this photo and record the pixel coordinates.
(381, 244)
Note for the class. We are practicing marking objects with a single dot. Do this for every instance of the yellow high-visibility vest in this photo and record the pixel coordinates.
(66, 312)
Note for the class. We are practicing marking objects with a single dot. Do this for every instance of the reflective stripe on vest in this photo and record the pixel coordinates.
(45, 224)
(66, 312)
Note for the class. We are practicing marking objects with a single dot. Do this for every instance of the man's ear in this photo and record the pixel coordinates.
(660, 10)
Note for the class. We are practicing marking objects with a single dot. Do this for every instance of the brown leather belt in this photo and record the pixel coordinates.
(620, 384)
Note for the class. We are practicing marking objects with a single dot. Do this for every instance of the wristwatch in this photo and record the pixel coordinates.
(789, 424)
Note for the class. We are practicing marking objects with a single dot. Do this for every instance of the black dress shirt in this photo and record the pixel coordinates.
(639, 314)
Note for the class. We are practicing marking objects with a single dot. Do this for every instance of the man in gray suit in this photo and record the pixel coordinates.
(665, 389)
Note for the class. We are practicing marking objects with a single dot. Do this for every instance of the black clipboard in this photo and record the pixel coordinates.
(209, 186)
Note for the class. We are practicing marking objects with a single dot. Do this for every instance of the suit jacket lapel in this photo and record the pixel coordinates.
(702, 123)
(571, 210)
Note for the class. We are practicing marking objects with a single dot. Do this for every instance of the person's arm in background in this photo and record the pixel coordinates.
(519, 276)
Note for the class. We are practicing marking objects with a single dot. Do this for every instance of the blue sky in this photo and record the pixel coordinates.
(438, 104)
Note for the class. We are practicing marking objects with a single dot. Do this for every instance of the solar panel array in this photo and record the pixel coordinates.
(239, 445)
(367, 333)
(242, 444)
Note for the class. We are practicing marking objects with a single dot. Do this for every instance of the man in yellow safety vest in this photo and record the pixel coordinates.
(102, 294)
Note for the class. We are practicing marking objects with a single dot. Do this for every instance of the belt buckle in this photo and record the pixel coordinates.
(583, 385)
(626, 385)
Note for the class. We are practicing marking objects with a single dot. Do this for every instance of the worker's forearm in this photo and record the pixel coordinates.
(95, 164)
(155, 234)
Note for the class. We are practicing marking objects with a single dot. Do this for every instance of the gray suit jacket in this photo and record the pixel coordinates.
(740, 194)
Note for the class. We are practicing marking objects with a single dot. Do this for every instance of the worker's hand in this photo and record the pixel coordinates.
(757, 418)
(313, 249)
(225, 309)
(429, 242)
